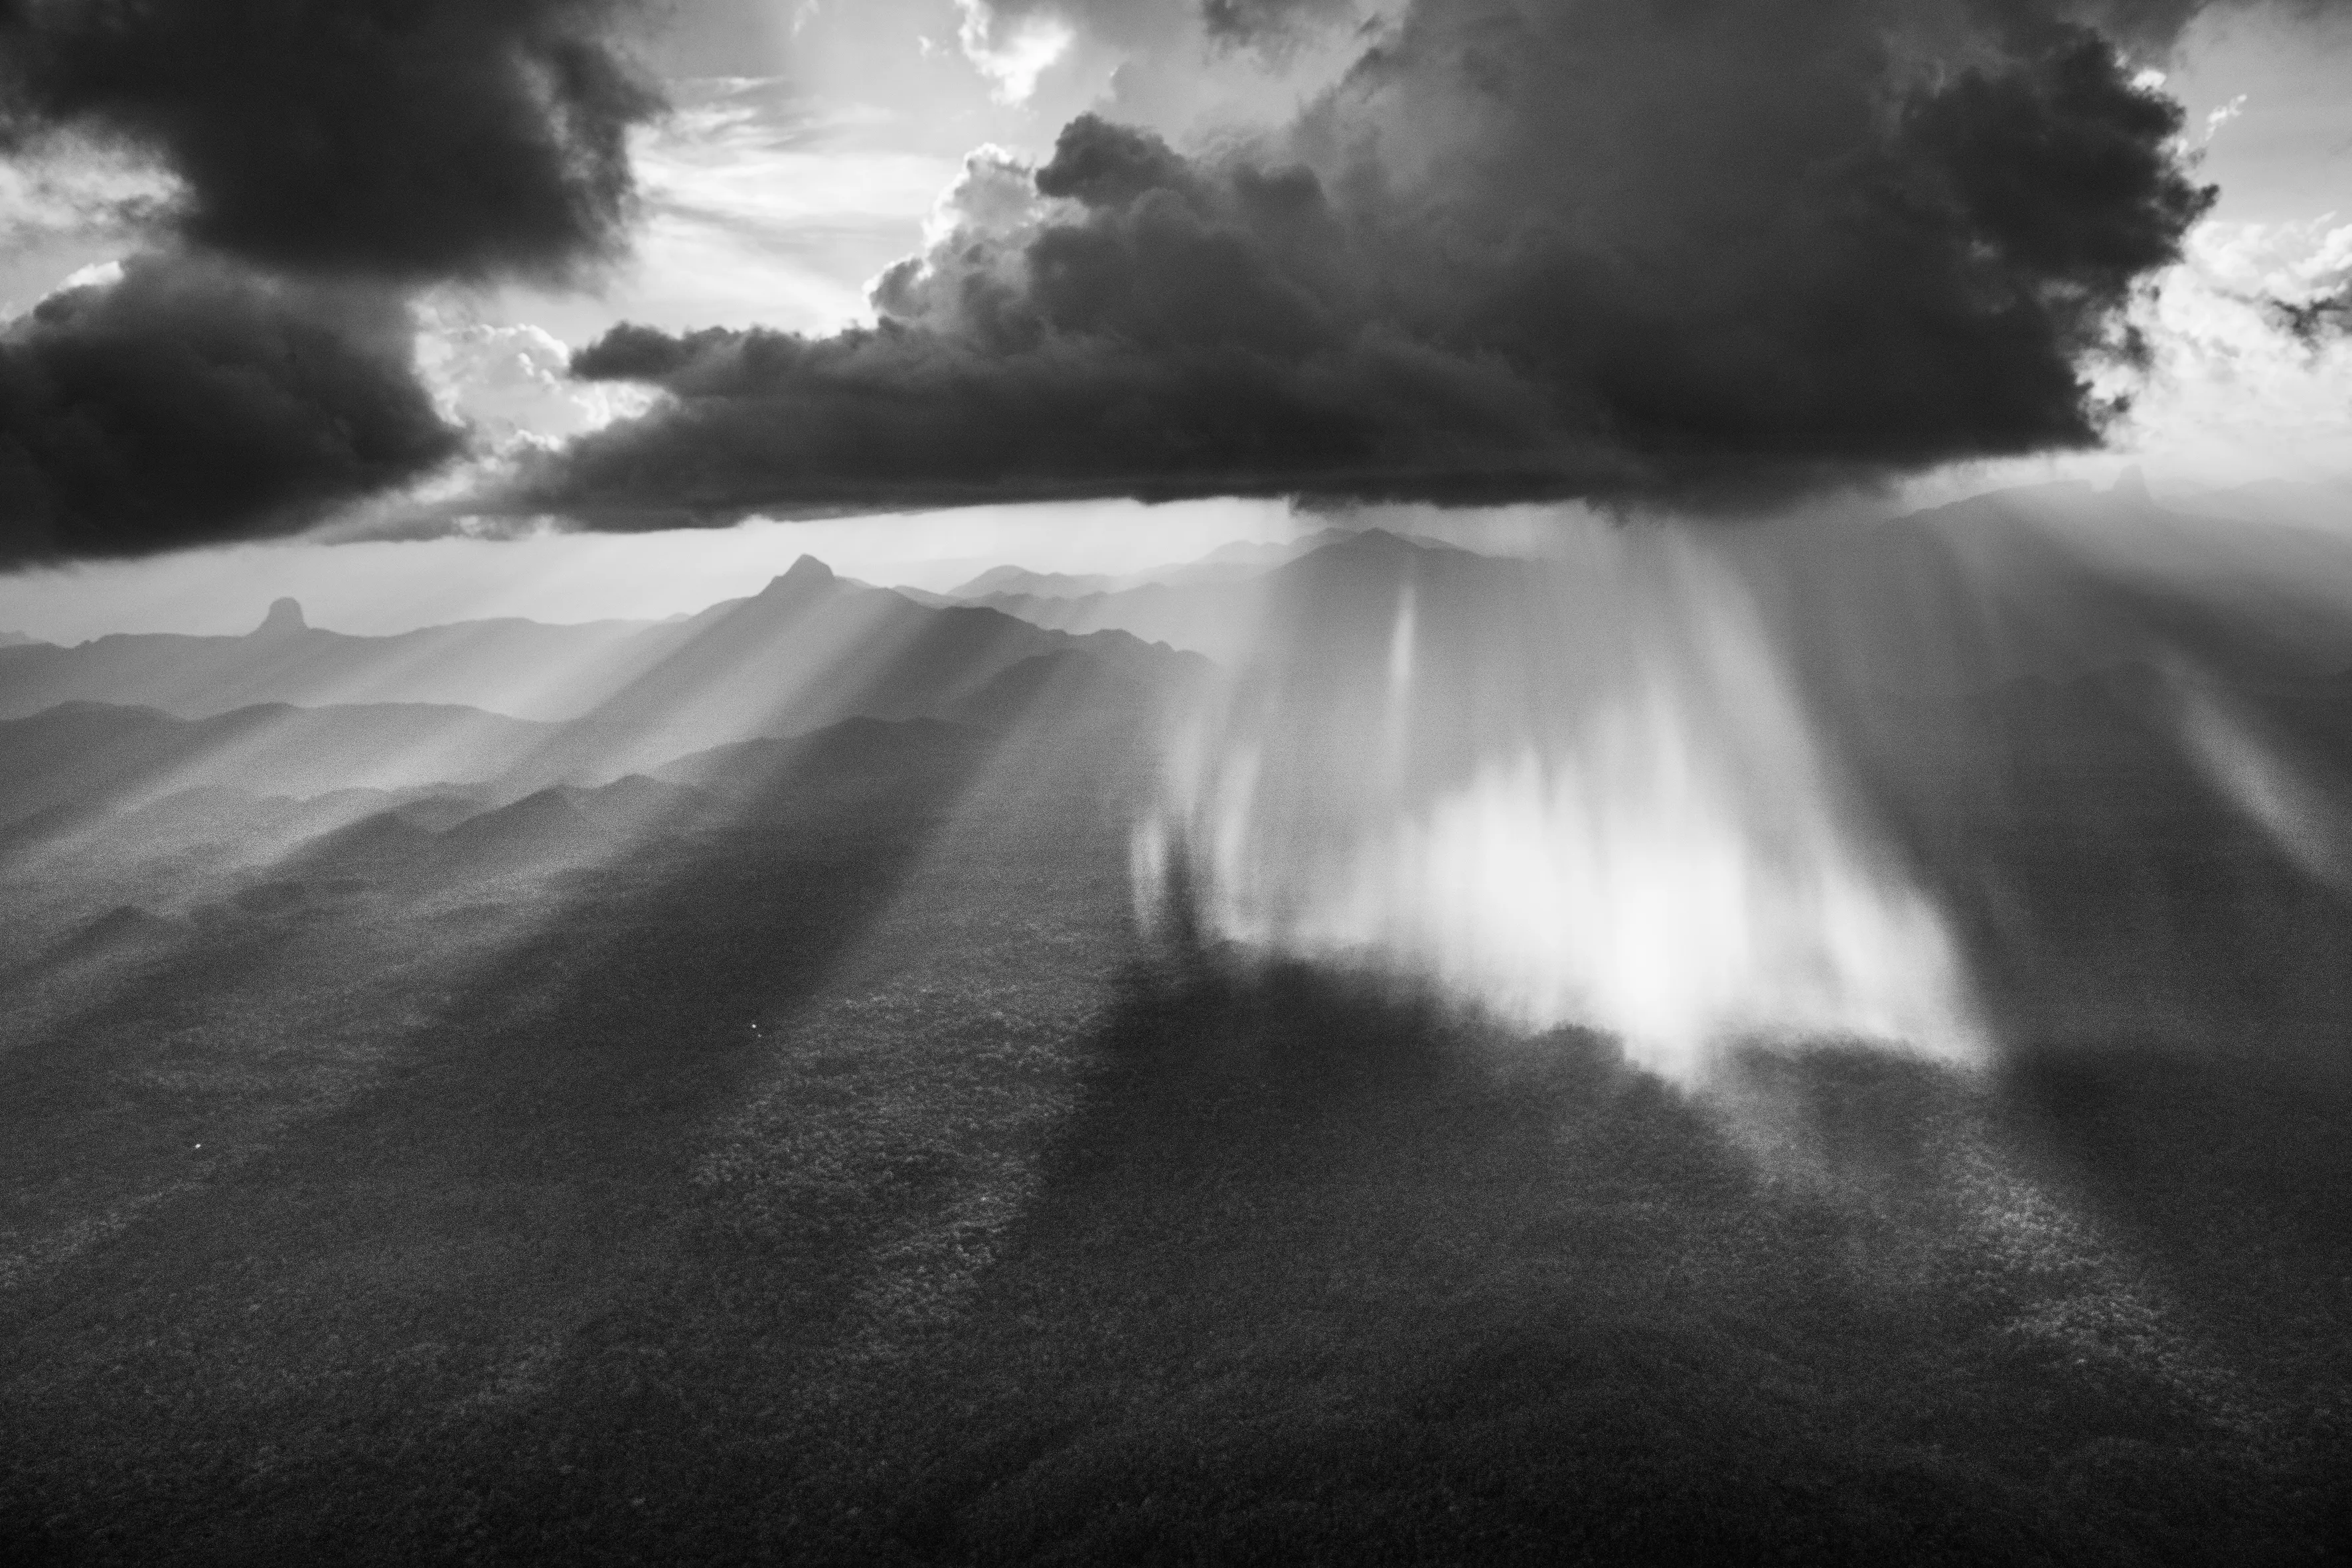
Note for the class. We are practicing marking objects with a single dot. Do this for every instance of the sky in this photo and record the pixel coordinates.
(441, 311)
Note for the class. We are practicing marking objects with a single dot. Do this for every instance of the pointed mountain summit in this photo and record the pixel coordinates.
(284, 616)
(807, 575)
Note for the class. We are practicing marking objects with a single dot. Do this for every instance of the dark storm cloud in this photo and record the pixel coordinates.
(255, 369)
(1132, 22)
(407, 139)
(1693, 248)
(1252, 19)
(193, 403)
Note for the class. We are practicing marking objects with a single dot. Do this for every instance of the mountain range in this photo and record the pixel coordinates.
(735, 1111)
(612, 673)
(173, 773)
(1983, 673)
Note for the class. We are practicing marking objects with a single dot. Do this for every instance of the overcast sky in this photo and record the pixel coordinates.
(1704, 259)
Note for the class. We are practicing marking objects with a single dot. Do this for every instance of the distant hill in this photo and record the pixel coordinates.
(1213, 606)
(811, 650)
(868, 772)
(226, 826)
(808, 651)
(855, 752)
(2304, 503)
(1047, 585)
(518, 667)
(2057, 580)
(1000, 587)
(80, 759)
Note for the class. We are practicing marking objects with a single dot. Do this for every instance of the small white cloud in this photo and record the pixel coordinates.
(97, 274)
(2223, 115)
(512, 382)
(1012, 55)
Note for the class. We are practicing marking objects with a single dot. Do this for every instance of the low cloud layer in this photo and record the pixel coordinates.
(1697, 250)
(324, 159)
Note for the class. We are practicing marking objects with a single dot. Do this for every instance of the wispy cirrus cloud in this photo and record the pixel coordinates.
(757, 204)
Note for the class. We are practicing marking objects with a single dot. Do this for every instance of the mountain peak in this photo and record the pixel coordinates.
(806, 573)
(284, 616)
(1372, 542)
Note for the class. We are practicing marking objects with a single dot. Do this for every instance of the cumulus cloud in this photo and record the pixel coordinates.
(1257, 19)
(2302, 274)
(2265, 279)
(1013, 47)
(412, 139)
(1694, 249)
(510, 383)
(188, 401)
(2225, 394)
(298, 170)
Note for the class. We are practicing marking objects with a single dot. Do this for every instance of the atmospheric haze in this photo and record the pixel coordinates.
(1175, 781)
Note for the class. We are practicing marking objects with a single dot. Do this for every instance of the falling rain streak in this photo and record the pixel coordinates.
(1585, 791)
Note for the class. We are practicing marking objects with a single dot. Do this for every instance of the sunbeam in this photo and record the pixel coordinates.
(1175, 781)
